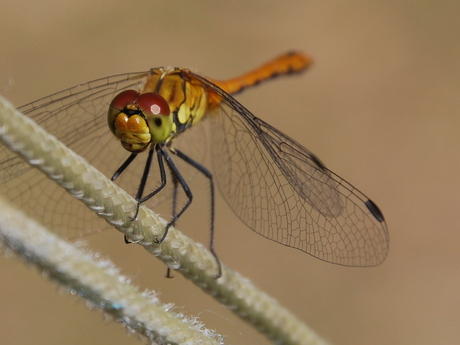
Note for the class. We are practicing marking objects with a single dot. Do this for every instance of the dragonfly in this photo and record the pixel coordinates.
(275, 186)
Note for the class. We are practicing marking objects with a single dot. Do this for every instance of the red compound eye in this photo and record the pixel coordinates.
(153, 103)
(124, 98)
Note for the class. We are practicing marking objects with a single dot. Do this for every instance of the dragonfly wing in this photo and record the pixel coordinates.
(283, 192)
(304, 171)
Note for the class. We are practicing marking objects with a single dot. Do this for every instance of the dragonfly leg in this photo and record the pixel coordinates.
(177, 180)
(122, 168)
(119, 171)
(174, 212)
(209, 176)
(145, 175)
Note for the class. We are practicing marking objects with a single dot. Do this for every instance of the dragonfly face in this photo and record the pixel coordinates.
(139, 119)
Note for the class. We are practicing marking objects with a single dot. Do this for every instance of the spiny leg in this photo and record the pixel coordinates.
(178, 180)
(122, 167)
(143, 182)
(145, 175)
(174, 212)
(208, 175)
(120, 170)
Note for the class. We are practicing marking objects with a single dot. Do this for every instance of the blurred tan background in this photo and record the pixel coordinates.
(380, 106)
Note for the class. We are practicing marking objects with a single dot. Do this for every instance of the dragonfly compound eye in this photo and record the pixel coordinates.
(139, 119)
(157, 114)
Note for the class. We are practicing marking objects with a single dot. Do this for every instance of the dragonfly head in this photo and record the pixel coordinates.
(139, 119)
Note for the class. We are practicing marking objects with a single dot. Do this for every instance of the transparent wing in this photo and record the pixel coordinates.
(283, 192)
(276, 186)
(77, 117)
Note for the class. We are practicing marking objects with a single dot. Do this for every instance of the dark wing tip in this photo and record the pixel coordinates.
(374, 209)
